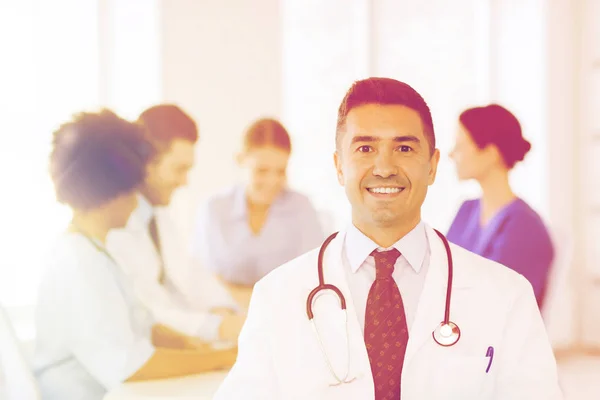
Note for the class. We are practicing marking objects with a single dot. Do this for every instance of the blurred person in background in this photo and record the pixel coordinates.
(92, 331)
(246, 231)
(180, 293)
(499, 225)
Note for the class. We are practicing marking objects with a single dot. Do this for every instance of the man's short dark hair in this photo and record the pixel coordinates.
(97, 157)
(384, 91)
(167, 122)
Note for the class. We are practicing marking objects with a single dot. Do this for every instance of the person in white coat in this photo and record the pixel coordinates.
(392, 270)
(180, 293)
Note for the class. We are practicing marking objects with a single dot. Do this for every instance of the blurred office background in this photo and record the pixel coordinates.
(229, 62)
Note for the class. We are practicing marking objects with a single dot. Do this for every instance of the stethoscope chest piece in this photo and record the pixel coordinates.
(446, 334)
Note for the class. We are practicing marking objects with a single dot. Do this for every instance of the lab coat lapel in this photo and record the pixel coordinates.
(334, 273)
(430, 311)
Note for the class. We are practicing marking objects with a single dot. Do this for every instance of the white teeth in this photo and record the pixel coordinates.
(387, 190)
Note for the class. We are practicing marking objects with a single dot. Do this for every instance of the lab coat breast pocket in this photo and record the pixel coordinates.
(461, 377)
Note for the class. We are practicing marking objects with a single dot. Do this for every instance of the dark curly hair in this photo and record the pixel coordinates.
(97, 157)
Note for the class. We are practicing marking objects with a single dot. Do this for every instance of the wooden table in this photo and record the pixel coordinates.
(197, 387)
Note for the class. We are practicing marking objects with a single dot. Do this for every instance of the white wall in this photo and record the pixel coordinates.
(561, 103)
(444, 65)
(221, 62)
(322, 47)
(130, 53)
(588, 152)
(46, 74)
(572, 86)
(518, 81)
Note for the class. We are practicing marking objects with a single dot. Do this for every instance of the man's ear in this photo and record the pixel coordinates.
(435, 159)
(239, 158)
(338, 168)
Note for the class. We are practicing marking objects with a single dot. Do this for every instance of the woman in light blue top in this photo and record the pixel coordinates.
(248, 230)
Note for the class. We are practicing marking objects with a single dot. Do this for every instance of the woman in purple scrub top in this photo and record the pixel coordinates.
(499, 226)
(248, 230)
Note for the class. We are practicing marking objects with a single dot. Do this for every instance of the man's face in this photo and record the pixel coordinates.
(385, 165)
(168, 172)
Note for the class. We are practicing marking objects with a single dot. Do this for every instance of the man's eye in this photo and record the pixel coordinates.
(364, 149)
(405, 149)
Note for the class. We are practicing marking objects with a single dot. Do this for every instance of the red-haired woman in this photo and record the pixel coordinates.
(245, 232)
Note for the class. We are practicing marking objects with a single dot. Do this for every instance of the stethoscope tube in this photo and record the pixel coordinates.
(446, 334)
(450, 277)
(322, 284)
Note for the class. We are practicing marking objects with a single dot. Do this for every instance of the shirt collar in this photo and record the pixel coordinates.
(240, 206)
(413, 247)
(143, 213)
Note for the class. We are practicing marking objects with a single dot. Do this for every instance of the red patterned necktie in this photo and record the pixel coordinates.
(386, 332)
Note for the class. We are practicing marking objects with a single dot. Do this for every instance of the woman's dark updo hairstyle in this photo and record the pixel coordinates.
(495, 125)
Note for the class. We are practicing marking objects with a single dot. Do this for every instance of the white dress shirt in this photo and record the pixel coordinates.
(409, 273)
(92, 332)
(189, 293)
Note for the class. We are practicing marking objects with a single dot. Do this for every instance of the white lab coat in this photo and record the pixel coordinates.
(279, 355)
(92, 332)
(190, 292)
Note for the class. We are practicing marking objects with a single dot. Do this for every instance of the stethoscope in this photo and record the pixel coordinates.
(446, 334)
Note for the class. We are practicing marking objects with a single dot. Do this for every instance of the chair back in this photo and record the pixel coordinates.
(16, 378)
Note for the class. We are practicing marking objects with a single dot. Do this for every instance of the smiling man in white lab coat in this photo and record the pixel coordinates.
(180, 293)
(392, 270)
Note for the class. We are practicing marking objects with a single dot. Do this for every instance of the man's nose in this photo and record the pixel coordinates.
(385, 165)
